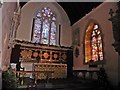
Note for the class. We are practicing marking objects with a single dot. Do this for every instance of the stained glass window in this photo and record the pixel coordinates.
(45, 28)
(93, 44)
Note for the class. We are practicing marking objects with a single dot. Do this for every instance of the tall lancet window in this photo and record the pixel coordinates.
(93, 44)
(44, 30)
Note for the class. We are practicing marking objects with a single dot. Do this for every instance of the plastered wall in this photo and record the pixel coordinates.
(101, 16)
(28, 13)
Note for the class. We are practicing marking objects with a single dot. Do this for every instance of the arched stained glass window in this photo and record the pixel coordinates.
(44, 30)
(93, 44)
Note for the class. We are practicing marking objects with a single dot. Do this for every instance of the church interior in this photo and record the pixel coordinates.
(60, 45)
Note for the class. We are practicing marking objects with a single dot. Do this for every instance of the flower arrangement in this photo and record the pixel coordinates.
(9, 79)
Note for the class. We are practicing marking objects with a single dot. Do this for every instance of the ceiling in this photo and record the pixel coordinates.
(75, 10)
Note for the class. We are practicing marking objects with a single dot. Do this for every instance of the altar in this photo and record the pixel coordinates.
(53, 62)
(46, 70)
(58, 70)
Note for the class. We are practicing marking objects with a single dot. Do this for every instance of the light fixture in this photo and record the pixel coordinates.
(1, 1)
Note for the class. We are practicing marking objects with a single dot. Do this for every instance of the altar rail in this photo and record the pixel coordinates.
(59, 70)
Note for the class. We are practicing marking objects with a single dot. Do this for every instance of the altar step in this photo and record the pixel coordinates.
(62, 84)
(57, 87)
